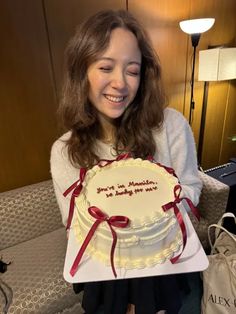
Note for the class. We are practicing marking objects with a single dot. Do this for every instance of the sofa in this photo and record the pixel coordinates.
(33, 239)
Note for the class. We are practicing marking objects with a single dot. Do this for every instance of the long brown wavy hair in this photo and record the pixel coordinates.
(134, 127)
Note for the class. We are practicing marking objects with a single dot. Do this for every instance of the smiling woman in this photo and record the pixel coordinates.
(111, 64)
(114, 78)
(113, 103)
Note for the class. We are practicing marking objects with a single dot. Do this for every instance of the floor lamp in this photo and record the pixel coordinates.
(195, 28)
(216, 64)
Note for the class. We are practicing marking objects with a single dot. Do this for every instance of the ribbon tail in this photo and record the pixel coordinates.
(77, 260)
(194, 209)
(71, 212)
(76, 187)
(113, 250)
(71, 188)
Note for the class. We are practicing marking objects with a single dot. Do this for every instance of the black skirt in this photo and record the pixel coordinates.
(149, 294)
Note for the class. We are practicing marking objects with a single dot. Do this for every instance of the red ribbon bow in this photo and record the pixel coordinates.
(76, 187)
(121, 221)
(113, 221)
(168, 206)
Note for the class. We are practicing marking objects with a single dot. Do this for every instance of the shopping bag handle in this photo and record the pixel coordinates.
(218, 227)
(220, 222)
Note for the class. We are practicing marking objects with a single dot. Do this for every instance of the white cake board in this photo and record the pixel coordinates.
(192, 259)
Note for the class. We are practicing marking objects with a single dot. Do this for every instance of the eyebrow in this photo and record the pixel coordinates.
(111, 59)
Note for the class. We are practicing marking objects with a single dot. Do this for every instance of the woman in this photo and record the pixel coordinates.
(113, 102)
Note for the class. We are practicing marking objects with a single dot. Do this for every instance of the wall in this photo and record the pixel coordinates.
(221, 112)
(28, 102)
(34, 35)
(161, 18)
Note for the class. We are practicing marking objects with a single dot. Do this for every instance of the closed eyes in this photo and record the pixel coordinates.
(129, 72)
(105, 69)
(133, 73)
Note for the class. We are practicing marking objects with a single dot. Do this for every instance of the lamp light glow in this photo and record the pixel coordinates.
(196, 26)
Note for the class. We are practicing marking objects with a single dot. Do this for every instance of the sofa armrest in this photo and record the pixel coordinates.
(214, 198)
(212, 205)
(28, 212)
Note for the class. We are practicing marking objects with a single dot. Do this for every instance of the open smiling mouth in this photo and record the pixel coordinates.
(116, 99)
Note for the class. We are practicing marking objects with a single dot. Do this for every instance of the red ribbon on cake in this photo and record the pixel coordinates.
(121, 221)
(105, 162)
(76, 187)
(168, 169)
(113, 221)
(168, 206)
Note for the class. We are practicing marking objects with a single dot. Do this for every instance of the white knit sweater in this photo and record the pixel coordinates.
(175, 148)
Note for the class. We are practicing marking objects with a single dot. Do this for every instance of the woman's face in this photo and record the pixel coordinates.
(115, 76)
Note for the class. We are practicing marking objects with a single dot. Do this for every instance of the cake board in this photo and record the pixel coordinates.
(193, 259)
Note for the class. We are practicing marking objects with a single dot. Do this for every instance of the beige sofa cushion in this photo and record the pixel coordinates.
(28, 212)
(212, 205)
(36, 278)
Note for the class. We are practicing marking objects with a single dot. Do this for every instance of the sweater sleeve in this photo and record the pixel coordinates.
(184, 157)
(63, 175)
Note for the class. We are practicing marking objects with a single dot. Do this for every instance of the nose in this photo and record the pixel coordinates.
(119, 80)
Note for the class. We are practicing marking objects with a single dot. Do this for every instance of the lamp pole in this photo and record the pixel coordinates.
(203, 122)
(195, 40)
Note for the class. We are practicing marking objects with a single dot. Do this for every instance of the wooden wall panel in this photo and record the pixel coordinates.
(27, 103)
(222, 33)
(217, 102)
(161, 20)
(228, 143)
(33, 38)
(62, 18)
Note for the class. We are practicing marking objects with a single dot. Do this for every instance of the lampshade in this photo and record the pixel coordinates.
(217, 64)
(196, 26)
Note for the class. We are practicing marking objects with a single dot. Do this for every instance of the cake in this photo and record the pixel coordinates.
(141, 195)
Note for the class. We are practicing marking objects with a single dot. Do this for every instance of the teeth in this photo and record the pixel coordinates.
(114, 99)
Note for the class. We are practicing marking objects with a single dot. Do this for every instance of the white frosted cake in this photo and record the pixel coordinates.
(136, 189)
